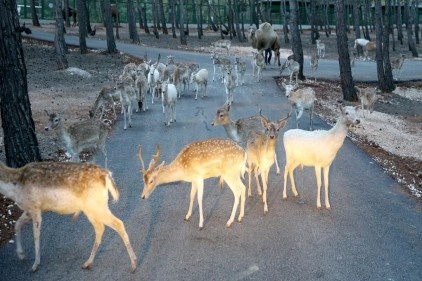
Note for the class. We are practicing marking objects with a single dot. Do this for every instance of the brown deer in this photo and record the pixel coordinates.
(196, 162)
(88, 134)
(63, 188)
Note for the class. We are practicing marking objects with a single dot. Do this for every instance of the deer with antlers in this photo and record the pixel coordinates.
(196, 162)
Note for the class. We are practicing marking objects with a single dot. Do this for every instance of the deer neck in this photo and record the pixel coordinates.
(231, 130)
(339, 133)
(63, 135)
(170, 173)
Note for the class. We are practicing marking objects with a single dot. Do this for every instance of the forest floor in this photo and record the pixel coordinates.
(391, 135)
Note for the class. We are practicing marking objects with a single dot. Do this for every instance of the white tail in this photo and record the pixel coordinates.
(80, 136)
(318, 149)
(196, 162)
(63, 188)
(261, 154)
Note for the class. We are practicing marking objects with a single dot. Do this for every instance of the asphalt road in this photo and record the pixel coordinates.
(373, 231)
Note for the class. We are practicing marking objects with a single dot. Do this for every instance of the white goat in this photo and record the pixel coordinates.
(258, 63)
(63, 188)
(261, 154)
(368, 98)
(293, 67)
(318, 149)
(200, 78)
(320, 48)
(229, 83)
(301, 99)
(80, 136)
(169, 99)
(240, 66)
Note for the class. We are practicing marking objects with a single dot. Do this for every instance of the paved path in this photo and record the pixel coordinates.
(373, 231)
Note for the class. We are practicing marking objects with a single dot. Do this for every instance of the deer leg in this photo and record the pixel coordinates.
(116, 224)
(193, 191)
(36, 222)
(276, 164)
(327, 198)
(242, 189)
(318, 177)
(232, 183)
(23, 219)
(99, 230)
(249, 177)
(200, 194)
(258, 185)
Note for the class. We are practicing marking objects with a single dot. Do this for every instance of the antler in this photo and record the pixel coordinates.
(263, 117)
(140, 158)
(155, 159)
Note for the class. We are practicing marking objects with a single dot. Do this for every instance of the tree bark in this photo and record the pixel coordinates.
(133, 34)
(20, 142)
(296, 40)
(385, 78)
(111, 43)
(35, 21)
(409, 31)
(59, 41)
(356, 16)
(346, 79)
(182, 23)
(163, 17)
(399, 22)
(154, 19)
(143, 16)
(83, 32)
(173, 18)
(283, 13)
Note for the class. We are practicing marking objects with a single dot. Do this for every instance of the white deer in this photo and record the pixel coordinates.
(196, 162)
(320, 48)
(63, 188)
(301, 99)
(318, 149)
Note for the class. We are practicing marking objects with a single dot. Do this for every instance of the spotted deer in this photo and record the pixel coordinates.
(220, 63)
(196, 162)
(293, 67)
(64, 188)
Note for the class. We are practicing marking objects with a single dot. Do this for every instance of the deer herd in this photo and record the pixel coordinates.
(72, 188)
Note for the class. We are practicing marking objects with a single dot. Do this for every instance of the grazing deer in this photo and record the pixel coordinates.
(293, 67)
(397, 64)
(261, 154)
(196, 162)
(63, 188)
(320, 48)
(366, 45)
(106, 96)
(80, 136)
(314, 65)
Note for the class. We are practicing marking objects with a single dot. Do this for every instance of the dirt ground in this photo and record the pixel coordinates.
(391, 135)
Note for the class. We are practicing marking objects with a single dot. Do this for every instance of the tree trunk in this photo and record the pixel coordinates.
(347, 85)
(163, 17)
(409, 31)
(198, 4)
(154, 19)
(283, 12)
(327, 23)
(296, 41)
(314, 26)
(87, 16)
(82, 26)
(385, 78)
(415, 9)
(59, 41)
(143, 16)
(35, 21)
(367, 19)
(237, 20)
(182, 23)
(173, 18)
(20, 141)
(133, 34)
(66, 12)
(111, 44)
(399, 23)
(356, 16)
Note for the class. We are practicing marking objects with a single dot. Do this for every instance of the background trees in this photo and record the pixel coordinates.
(20, 142)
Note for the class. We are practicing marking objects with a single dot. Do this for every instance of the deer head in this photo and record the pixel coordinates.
(151, 173)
